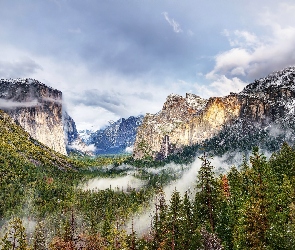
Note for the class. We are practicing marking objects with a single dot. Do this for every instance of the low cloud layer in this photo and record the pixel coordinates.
(124, 183)
(7, 104)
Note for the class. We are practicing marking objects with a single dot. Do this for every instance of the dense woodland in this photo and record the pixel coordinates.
(42, 204)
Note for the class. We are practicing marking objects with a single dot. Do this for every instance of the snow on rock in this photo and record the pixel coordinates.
(265, 107)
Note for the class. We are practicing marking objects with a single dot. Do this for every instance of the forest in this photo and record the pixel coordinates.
(44, 202)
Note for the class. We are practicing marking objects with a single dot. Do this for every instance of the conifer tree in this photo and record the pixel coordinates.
(39, 241)
(174, 221)
(205, 199)
(160, 226)
(191, 237)
(15, 236)
(254, 220)
(281, 231)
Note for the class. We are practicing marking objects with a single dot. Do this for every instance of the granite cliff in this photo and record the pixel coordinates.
(265, 106)
(37, 108)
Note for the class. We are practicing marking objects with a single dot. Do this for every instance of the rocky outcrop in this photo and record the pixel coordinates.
(183, 121)
(37, 108)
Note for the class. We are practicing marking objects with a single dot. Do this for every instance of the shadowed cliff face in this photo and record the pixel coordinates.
(190, 120)
(37, 108)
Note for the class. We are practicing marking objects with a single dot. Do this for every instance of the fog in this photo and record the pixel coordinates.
(186, 179)
(124, 183)
(7, 104)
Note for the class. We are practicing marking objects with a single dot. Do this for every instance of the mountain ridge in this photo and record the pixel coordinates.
(264, 104)
(117, 138)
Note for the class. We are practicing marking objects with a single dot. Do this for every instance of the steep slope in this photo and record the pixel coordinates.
(117, 138)
(16, 143)
(264, 108)
(70, 130)
(37, 108)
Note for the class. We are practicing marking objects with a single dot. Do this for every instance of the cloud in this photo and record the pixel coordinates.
(111, 101)
(49, 99)
(120, 183)
(254, 56)
(241, 38)
(190, 33)
(223, 85)
(128, 52)
(219, 85)
(7, 104)
(173, 23)
(18, 68)
(90, 117)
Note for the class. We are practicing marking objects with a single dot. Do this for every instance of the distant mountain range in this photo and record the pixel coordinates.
(117, 138)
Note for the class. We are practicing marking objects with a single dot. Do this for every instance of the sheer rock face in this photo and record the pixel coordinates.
(185, 122)
(190, 120)
(70, 130)
(37, 108)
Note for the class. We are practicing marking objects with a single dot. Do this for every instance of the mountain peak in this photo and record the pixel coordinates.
(281, 78)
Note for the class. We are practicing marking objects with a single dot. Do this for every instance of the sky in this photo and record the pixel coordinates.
(117, 58)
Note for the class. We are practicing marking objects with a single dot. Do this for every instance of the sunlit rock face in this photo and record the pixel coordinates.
(265, 104)
(37, 108)
(186, 121)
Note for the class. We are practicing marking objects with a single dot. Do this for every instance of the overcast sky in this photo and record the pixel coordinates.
(117, 58)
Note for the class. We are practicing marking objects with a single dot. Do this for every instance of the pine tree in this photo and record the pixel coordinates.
(39, 242)
(191, 237)
(174, 221)
(205, 199)
(253, 222)
(281, 231)
(15, 236)
(160, 223)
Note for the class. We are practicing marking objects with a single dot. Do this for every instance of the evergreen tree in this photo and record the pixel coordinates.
(191, 237)
(253, 223)
(205, 199)
(281, 231)
(175, 224)
(15, 236)
(39, 241)
(160, 224)
(223, 211)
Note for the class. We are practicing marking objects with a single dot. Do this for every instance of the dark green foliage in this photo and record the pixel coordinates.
(252, 207)
(206, 196)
